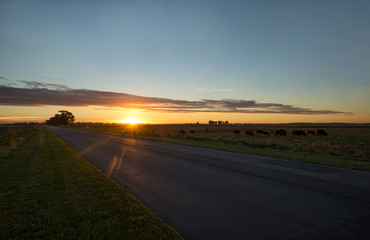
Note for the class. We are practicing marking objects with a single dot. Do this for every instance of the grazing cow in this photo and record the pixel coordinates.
(236, 132)
(192, 131)
(281, 132)
(260, 131)
(266, 133)
(309, 132)
(249, 133)
(321, 132)
(298, 133)
(182, 131)
(206, 129)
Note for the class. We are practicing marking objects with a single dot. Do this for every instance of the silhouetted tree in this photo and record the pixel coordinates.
(64, 118)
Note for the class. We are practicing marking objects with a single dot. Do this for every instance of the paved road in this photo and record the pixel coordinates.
(209, 194)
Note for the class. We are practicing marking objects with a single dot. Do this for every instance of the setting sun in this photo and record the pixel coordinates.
(131, 121)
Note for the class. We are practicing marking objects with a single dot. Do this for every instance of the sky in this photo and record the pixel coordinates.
(185, 61)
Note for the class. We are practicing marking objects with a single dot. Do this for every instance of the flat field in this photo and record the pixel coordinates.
(49, 191)
(344, 146)
(11, 136)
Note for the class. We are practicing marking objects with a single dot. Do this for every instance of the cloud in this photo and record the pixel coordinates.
(33, 93)
(214, 90)
(65, 96)
(30, 84)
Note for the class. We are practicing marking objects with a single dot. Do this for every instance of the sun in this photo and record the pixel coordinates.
(131, 121)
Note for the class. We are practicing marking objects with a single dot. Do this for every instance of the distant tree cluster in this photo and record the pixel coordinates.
(218, 122)
(64, 118)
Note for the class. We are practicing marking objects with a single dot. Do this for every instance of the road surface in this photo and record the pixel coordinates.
(210, 194)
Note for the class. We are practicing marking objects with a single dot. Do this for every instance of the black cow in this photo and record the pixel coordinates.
(266, 133)
(298, 133)
(281, 132)
(260, 131)
(321, 132)
(249, 133)
(309, 132)
(236, 132)
(182, 131)
(192, 131)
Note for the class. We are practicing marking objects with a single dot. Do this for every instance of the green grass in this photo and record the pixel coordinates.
(11, 136)
(49, 191)
(346, 146)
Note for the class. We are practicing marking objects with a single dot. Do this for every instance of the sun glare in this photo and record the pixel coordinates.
(132, 121)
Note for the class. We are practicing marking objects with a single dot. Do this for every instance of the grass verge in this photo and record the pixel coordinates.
(49, 191)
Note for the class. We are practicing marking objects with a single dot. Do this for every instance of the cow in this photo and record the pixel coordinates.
(298, 133)
(266, 133)
(182, 131)
(192, 131)
(260, 131)
(309, 132)
(249, 133)
(236, 132)
(281, 132)
(321, 132)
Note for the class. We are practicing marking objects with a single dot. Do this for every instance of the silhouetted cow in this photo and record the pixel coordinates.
(260, 131)
(281, 132)
(309, 132)
(236, 132)
(192, 131)
(266, 133)
(182, 131)
(298, 133)
(321, 132)
(249, 133)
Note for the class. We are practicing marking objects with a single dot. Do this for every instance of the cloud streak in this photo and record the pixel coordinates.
(30, 84)
(43, 94)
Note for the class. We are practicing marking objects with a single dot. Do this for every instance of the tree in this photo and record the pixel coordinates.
(64, 118)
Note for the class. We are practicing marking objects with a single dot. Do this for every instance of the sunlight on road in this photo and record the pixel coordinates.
(114, 163)
(101, 143)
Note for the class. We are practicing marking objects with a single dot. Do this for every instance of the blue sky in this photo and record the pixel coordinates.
(310, 54)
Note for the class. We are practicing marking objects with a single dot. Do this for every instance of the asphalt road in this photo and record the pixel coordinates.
(210, 194)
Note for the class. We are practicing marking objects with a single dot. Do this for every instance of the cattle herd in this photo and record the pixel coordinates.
(283, 132)
(280, 132)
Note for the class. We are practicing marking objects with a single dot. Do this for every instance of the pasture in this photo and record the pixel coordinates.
(344, 146)
(11, 136)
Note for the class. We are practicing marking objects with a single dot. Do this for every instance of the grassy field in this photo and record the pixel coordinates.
(48, 191)
(11, 136)
(345, 146)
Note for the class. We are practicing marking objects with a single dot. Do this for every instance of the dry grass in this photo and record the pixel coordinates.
(11, 136)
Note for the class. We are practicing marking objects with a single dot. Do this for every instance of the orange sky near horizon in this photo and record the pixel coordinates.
(95, 114)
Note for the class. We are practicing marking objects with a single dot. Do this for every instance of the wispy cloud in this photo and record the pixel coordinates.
(214, 90)
(30, 84)
(42, 94)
